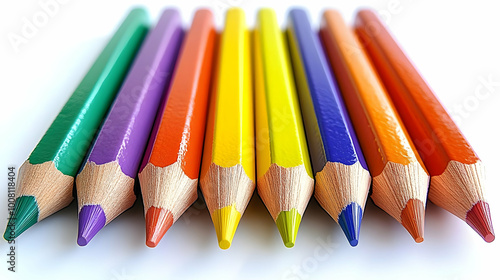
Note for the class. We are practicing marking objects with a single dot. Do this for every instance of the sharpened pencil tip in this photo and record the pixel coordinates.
(479, 218)
(82, 241)
(288, 223)
(226, 221)
(412, 218)
(225, 244)
(350, 221)
(25, 215)
(158, 221)
(91, 219)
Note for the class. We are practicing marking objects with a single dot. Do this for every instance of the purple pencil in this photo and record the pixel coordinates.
(105, 184)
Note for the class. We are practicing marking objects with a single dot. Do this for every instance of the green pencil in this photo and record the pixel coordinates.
(45, 183)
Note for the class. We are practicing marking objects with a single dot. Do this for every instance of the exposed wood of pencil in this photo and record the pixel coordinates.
(227, 186)
(457, 173)
(228, 165)
(338, 185)
(400, 181)
(168, 188)
(284, 189)
(107, 186)
(285, 181)
(51, 189)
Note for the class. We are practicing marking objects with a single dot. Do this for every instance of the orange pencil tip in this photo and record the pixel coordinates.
(412, 218)
(158, 221)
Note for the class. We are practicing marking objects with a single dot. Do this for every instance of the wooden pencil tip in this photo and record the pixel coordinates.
(158, 221)
(226, 221)
(479, 218)
(288, 223)
(413, 218)
(91, 219)
(24, 216)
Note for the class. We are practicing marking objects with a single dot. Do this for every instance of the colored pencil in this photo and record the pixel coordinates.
(169, 175)
(105, 185)
(342, 177)
(457, 174)
(45, 183)
(284, 175)
(227, 178)
(400, 181)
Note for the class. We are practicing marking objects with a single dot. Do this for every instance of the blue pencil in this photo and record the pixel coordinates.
(342, 177)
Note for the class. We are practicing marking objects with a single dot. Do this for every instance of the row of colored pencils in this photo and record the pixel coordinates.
(291, 113)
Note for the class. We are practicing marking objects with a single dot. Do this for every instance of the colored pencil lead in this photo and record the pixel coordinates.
(91, 220)
(412, 218)
(158, 221)
(26, 215)
(226, 221)
(350, 222)
(479, 218)
(288, 223)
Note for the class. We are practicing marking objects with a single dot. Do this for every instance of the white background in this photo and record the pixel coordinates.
(455, 44)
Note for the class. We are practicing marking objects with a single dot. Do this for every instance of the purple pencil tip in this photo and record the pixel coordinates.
(90, 220)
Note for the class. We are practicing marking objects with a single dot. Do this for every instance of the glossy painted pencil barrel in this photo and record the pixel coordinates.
(284, 176)
(400, 181)
(457, 175)
(169, 173)
(45, 183)
(105, 185)
(227, 177)
(342, 177)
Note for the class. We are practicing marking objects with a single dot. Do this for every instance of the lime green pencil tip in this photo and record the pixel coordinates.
(288, 225)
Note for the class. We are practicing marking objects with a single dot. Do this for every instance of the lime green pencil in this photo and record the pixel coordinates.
(284, 175)
(45, 183)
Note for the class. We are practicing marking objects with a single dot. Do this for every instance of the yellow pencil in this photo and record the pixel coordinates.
(227, 177)
(284, 175)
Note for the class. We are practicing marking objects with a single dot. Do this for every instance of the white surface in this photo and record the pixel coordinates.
(454, 45)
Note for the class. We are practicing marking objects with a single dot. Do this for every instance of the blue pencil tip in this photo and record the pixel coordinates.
(353, 242)
(350, 222)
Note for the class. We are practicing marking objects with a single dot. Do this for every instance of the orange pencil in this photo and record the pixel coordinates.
(169, 173)
(400, 181)
(457, 174)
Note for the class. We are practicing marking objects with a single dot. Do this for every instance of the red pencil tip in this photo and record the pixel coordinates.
(158, 221)
(479, 218)
(412, 218)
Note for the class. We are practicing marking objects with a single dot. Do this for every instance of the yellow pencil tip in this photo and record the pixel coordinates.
(224, 244)
(225, 222)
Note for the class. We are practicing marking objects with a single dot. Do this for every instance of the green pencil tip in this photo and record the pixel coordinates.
(24, 216)
(288, 224)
